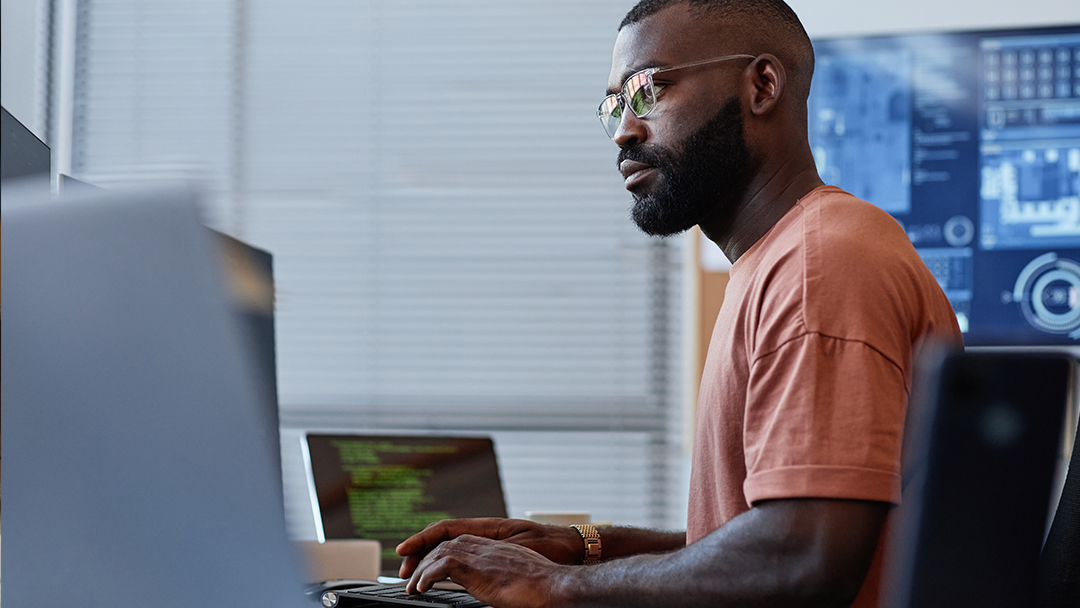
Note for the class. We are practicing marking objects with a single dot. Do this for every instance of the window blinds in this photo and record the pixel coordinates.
(450, 235)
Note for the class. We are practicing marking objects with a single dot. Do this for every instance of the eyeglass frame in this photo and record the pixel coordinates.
(621, 96)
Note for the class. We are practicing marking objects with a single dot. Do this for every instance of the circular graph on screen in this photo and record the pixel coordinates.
(1048, 290)
(959, 231)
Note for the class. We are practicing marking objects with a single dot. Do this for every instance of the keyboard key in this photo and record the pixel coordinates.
(385, 595)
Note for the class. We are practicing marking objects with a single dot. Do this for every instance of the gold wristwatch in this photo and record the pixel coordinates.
(592, 542)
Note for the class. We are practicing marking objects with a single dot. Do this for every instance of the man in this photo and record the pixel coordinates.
(800, 416)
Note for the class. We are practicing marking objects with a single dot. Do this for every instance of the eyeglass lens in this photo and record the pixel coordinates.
(637, 92)
(611, 114)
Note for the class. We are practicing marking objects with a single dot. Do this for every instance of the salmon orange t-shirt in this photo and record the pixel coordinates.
(809, 368)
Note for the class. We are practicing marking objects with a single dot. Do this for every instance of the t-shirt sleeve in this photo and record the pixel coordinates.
(824, 419)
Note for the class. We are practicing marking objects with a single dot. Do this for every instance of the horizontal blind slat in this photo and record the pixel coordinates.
(450, 235)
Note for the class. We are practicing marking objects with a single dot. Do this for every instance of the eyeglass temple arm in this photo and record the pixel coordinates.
(702, 62)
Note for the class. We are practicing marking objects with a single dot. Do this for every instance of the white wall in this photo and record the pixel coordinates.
(824, 18)
(18, 51)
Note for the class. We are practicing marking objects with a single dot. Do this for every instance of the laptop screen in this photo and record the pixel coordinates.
(388, 487)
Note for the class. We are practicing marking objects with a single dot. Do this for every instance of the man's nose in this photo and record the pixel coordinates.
(632, 130)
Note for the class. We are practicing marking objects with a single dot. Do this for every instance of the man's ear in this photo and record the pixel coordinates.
(768, 83)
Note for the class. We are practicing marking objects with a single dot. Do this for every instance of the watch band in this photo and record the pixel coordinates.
(592, 542)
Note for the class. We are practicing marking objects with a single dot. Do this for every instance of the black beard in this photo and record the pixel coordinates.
(709, 171)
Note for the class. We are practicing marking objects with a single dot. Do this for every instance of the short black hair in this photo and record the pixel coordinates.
(793, 44)
(775, 8)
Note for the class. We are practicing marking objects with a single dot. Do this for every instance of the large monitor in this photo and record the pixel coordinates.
(971, 140)
(249, 276)
(25, 157)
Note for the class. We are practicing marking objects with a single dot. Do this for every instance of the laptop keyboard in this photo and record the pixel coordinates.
(376, 595)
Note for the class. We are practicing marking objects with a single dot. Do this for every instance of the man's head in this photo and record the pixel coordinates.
(714, 125)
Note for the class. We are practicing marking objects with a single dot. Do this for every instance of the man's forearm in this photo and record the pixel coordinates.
(696, 576)
(619, 542)
(797, 557)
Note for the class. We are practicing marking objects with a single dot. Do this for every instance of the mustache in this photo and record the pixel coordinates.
(644, 154)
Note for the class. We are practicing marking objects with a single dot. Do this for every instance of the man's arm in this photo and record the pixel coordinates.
(617, 542)
(560, 544)
(795, 552)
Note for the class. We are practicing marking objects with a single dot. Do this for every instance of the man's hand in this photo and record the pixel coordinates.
(559, 544)
(791, 552)
(495, 572)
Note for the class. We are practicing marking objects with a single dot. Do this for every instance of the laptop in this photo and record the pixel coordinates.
(387, 487)
(138, 472)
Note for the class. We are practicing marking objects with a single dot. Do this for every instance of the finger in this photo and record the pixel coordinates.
(447, 529)
(424, 540)
(439, 570)
(432, 562)
(408, 566)
(451, 559)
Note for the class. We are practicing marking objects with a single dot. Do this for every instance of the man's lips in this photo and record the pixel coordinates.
(634, 172)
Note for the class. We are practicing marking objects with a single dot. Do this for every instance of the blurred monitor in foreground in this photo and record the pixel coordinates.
(979, 462)
(134, 434)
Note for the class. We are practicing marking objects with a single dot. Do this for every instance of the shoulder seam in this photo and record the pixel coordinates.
(899, 368)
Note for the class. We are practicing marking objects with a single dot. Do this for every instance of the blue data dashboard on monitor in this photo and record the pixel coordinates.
(971, 140)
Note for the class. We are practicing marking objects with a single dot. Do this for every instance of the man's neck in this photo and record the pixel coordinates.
(769, 196)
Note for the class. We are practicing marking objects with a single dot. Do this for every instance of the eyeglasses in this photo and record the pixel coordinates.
(639, 92)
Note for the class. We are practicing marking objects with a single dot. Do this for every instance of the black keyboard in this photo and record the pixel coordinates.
(377, 595)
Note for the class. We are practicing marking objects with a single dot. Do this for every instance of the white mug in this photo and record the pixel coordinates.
(558, 518)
